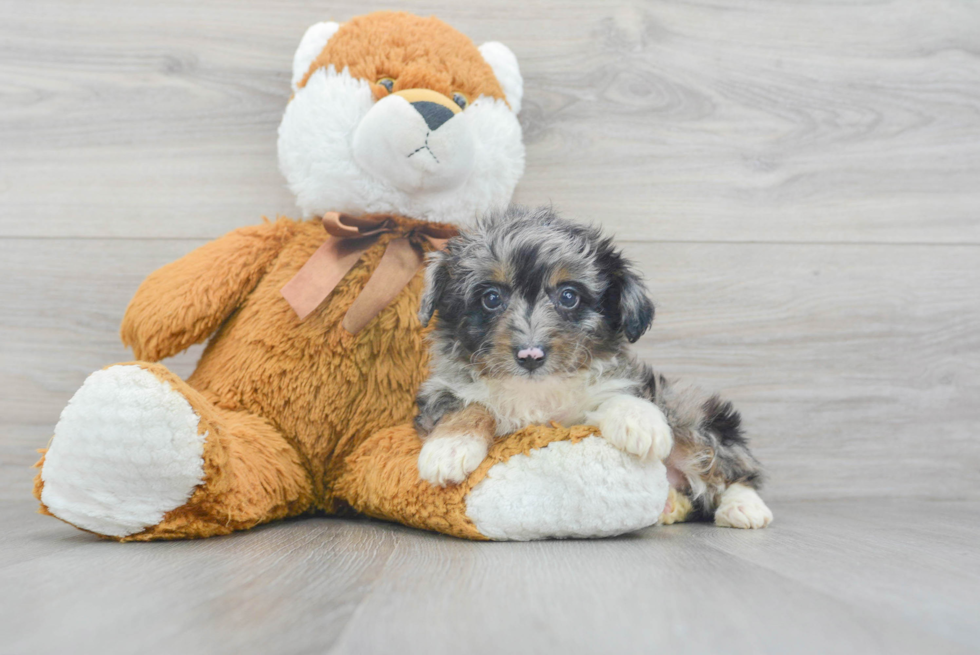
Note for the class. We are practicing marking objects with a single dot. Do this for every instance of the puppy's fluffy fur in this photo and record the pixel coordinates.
(535, 318)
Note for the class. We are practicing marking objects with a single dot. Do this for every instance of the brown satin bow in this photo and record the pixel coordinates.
(351, 236)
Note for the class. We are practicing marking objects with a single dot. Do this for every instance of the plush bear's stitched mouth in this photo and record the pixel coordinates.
(415, 145)
(424, 148)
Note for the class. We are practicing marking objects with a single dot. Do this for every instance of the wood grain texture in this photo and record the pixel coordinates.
(855, 366)
(844, 577)
(812, 121)
(798, 182)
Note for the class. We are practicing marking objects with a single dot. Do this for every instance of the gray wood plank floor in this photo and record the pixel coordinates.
(797, 179)
(835, 576)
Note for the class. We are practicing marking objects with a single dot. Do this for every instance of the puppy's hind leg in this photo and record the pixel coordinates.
(741, 507)
(713, 456)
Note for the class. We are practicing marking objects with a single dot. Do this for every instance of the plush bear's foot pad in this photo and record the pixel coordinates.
(125, 452)
(584, 489)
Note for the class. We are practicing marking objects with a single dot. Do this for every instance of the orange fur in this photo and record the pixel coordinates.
(183, 302)
(380, 478)
(297, 412)
(417, 53)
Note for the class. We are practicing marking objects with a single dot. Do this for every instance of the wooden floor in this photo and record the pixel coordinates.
(829, 577)
(798, 179)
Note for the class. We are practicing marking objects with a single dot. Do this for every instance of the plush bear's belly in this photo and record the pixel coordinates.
(324, 388)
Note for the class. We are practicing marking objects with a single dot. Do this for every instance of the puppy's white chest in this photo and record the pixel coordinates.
(517, 403)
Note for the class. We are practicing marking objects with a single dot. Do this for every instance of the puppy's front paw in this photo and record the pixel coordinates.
(450, 459)
(636, 426)
(741, 507)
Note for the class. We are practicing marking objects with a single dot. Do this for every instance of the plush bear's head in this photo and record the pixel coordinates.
(396, 113)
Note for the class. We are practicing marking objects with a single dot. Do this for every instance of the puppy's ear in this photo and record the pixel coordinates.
(628, 303)
(436, 282)
(636, 307)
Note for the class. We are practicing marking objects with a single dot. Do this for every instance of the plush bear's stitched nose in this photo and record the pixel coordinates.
(530, 358)
(433, 113)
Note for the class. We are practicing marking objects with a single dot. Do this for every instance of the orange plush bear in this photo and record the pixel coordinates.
(399, 128)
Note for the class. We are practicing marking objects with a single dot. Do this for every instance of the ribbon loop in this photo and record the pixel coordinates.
(350, 237)
(345, 226)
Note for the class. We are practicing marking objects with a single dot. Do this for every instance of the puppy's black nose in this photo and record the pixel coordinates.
(433, 113)
(530, 358)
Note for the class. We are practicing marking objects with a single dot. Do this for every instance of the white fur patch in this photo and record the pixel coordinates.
(585, 489)
(741, 507)
(449, 460)
(505, 69)
(125, 452)
(392, 142)
(310, 46)
(316, 155)
(518, 402)
(634, 425)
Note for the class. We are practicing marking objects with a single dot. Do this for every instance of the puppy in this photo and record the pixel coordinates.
(535, 318)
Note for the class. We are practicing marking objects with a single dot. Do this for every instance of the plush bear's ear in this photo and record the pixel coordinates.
(436, 282)
(505, 68)
(310, 46)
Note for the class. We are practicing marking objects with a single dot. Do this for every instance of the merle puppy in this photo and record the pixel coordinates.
(535, 318)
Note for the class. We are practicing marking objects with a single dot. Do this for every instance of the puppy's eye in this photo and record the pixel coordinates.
(460, 100)
(568, 298)
(492, 300)
(387, 83)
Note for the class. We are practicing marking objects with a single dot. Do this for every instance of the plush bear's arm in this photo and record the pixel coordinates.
(185, 301)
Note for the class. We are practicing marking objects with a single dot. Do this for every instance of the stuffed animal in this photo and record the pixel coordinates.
(399, 128)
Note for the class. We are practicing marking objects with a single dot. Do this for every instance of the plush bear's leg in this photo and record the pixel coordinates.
(538, 483)
(140, 455)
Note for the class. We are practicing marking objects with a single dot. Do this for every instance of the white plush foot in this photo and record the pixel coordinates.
(583, 489)
(125, 452)
(741, 507)
(634, 425)
(449, 460)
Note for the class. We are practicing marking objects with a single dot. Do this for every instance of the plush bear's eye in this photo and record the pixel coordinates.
(460, 100)
(387, 83)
